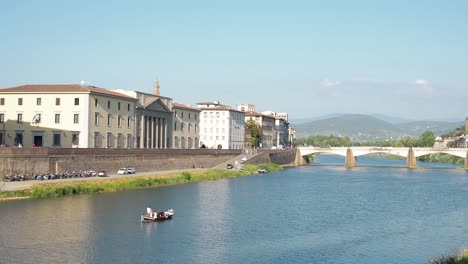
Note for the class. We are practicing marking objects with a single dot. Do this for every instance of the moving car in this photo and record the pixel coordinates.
(102, 173)
(131, 170)
(229, 166)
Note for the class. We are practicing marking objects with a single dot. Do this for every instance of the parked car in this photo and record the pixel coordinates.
(244, 158)
(102, 173)
(122, 171)
(131, 170)
(229, 166)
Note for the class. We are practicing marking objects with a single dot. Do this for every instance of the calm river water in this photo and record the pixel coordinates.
(312, 214)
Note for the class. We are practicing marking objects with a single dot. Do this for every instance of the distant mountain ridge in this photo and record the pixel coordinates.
(361, 127)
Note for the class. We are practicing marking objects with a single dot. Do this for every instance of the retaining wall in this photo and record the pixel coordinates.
(28, 161)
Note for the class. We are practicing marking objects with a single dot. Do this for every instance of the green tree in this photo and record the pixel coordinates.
(427, 139)
(255, 132)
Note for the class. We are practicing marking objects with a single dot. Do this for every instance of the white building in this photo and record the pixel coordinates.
(186, 126)
(220, 126)
(66, 116)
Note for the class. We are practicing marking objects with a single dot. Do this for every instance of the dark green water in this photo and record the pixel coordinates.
(313, 214)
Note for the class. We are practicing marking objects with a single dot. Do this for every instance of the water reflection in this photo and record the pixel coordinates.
(65, 221)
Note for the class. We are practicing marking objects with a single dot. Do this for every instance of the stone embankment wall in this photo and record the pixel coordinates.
(29, 161)
(289, 157)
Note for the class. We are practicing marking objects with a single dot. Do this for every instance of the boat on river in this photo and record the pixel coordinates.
(157, 216)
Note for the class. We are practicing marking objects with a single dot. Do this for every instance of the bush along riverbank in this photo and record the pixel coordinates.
(460, 257)
(59, 189)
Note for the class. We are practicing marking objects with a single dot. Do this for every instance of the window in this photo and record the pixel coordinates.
(196, 128)
(195, 116)
(120, 140)
(129, 141)
(128, 107)
(175, 126)
(95, 102)
(57, 139)
(96, 119)
(189, 125)
(38, 101)
(182, 114)
(77, 101)
(20, 101)
(188, 115)
(108, 104)
(19, 138)
(75, 139)
(37, 119)
(2, 101)
(57, 118)
(19, 119)
(129, 121)
(97, 142)
(57, 101)
(76, 118)
(109, 120)
(118, 105)
(2, 118)
(109, 140)
(119, 121)
(181, 126)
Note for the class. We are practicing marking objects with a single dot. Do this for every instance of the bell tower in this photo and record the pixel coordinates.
(156, 88)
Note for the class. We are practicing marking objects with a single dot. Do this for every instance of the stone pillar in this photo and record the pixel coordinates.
(466, 161)
(158, 131)
(350, 160)
(148, 132)
(155, 134)
(299, 159)
(163, 133)
(142, 131)
(411, 159)
(166, 139)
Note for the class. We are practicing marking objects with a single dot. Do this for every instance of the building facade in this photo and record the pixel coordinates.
(154, 118)
(220, 126)
(267, 122)
(67, 116)
(186, 126)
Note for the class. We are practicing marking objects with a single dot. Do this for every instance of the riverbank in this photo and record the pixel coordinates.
(460, 257)
(98, 185)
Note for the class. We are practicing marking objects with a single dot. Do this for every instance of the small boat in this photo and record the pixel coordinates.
(261, 171)
(157, 216)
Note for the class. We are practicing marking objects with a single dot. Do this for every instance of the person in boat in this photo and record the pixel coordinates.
(149, 211)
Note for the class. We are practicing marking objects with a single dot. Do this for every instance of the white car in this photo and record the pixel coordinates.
(131, 170)
(122, 171)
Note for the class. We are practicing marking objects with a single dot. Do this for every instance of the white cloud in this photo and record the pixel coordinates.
(328, 83)
(424, 84)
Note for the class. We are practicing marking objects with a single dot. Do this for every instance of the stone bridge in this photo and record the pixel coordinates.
(350, 153)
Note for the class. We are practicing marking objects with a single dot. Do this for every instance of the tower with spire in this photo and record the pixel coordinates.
(156, 88)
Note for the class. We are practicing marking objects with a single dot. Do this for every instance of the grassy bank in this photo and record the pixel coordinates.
(58, 189)
(460, 257)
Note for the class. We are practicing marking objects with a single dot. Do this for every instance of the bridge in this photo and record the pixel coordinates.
(350, 153)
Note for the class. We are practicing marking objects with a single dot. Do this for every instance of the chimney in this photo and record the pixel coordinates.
(156, 88)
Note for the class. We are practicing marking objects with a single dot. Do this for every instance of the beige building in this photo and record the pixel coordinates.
(154, 118)
(267, 122)
(186, 126)
(66, 116)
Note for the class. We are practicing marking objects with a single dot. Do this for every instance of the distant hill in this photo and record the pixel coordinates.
(364, 127)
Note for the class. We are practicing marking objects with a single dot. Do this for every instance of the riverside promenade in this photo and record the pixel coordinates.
(23, 185)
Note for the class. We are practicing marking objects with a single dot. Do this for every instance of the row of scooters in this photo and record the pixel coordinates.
(51, 176)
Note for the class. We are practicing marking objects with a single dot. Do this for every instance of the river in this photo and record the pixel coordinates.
(321, 213)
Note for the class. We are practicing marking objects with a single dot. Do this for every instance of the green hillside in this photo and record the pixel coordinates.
(364, 127)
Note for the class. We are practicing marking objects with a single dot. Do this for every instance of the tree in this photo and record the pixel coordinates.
(427, 139)
(255, 132)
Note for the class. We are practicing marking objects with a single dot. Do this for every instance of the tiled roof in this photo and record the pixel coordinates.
(63, 88)
(179, 105)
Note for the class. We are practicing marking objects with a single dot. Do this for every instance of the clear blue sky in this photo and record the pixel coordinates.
(309, 58)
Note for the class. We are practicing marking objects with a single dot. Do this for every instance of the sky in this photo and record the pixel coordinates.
(400, 58)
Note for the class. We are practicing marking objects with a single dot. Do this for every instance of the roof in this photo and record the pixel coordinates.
(63, 88)
(220, 108)
(179, 105)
